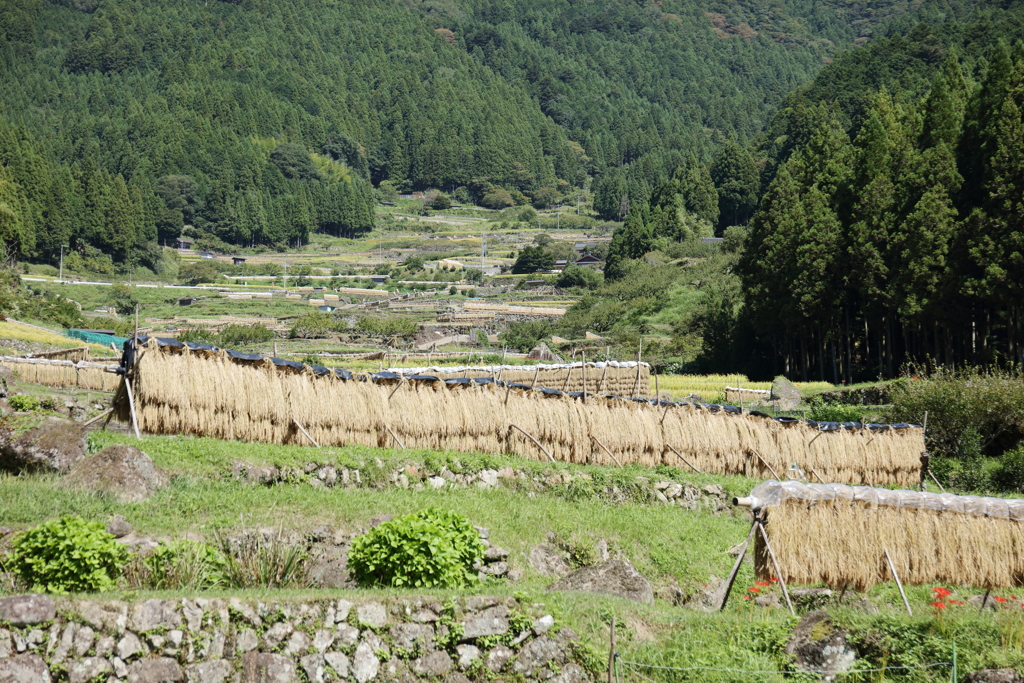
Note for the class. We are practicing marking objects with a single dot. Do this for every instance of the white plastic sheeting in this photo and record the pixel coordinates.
(772, 493)
(494, 369)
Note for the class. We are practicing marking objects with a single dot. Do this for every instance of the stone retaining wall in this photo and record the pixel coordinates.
(244, 641)
(711, 497)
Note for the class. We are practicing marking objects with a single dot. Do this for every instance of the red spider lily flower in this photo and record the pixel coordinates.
(774, 579)
(941, 592)
(753, 589)
(998, 598)
(956, 602)
(763, 584)
(746, 597)
(938, 605)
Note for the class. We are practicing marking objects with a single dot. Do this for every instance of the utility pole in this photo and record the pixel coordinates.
(60, 278)
(286, 276)
(483, 250)
(558, 224)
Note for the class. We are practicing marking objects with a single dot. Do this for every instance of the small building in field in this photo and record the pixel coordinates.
(379, 279)
(238, 260)
(183, 243)
(187, 300)
(560, 266)
(206, 255)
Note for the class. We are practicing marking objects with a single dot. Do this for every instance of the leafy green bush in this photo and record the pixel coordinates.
(22, 403)
(68, 555)
(992, 403)
(1010, 474)
(185, 564)
(316, 326)
(432, 548)
(244, 334)
(968, 473)
(387, 327)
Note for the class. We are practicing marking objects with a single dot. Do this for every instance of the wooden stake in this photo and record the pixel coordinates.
(98, 417)
(584, 369)
(680, 456)
(565, 384)
(639, 354)
(508, 390)
(395, 437)
(936, 481)
(611, 654)
(131, 406)
(657, 390)
(605, 449)
(765, 462)
(530, 436)
(536, 375)
(398, 386)
(501, 368)
(736, 567)
(899, 584)
(817, 475)
(778, 570)
(305, 433)
(984, 601)
(815, 437)
(600, 387)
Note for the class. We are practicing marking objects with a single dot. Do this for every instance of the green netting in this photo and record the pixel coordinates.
(96, 338)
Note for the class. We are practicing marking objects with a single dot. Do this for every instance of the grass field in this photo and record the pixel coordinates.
(675, 548)
(12, 330)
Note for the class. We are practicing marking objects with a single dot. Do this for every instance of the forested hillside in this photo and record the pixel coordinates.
(258, 122)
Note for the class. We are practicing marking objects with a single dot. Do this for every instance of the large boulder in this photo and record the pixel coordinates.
(820, 648)
(994, 676)
(41, 444)
(785, 394)
(122, 472)
(547, 561)
(542, 352)
(614, 577)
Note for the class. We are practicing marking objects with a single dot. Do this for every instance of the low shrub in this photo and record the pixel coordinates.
(1009, 476)
(254, 560)
(432, 548)
(68, 555)
(22, 403)
(820, 411)
(184, 564)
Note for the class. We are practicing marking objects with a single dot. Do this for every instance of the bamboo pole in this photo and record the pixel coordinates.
(639, 355)
(98, 417)
(401, 381)
(899, 584)
(605, 449)
(736, 567)
(584, 369)
(305, 433)
(611, 654)
(765, 462)
(530, 436)
(680, 456)
(775, 563)
(395, 437)
(600, 387)
(131, 406)
(536, 375)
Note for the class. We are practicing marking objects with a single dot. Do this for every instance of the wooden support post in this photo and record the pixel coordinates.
(395, 437)
(899, 584)
(536, 375)
(736, 567)
(680, 456)
(775, 563)
(531, 438)
(600, 386)
(565, 384)
(131, 407)
(98, 417)
(984, 601)
(305, 433)
(936, 481)
(657, 389)
(817, 475)
(639, 356)
(584, 369)
(508, 390)
(501, 368)
(815, 437)
(765, 462)
(398, 386)
(605, 449)
(611, 654)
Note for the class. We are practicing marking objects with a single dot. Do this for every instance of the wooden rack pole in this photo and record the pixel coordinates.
(899, 584)
(611, 654)
(765, 462)
(305, 433)
(395, 437)
(584, 370)
(536, 374)
(530, 436)
(680, 456)
(605, 449)
(600, 386)
(398, 386)
(98, 417)
(775, 563)
(736, 567)
(131, 406)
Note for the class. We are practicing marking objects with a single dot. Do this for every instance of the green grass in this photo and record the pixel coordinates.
(671, 546)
